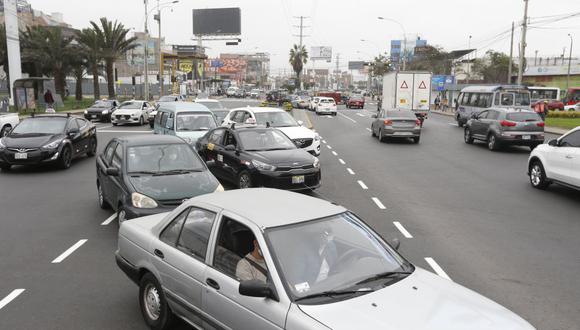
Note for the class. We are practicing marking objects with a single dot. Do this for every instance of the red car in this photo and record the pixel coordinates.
(355, 102)
(552, 104)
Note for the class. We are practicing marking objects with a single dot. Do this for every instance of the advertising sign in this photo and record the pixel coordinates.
(217, 22)
(321, 53)
(356, 65)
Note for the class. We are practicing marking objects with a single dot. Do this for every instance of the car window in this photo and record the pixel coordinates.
(233, 253)
(482, 115)
(171, 232)
(195, 233)
(507, 99)
(493, 115)
(72, 124)
(108, 154)
(523, 116)
(496, 99)
(230, 139)
(163, 120)
(158, 117)
(117, 157)
(216, 136)
(571, 140)
(474, 100)
(81, 123)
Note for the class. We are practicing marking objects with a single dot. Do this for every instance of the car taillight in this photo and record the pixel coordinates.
(417, 122)
(388, 122)
(541, 124)
(507, 123)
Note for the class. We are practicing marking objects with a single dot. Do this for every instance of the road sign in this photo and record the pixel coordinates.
(404, 85)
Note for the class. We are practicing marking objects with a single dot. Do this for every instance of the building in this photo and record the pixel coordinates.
(242, 69)
(401, 50)
(552, 73)
(31, 17)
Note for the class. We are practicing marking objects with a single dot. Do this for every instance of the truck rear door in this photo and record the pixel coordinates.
(404, 91)
(421, 92)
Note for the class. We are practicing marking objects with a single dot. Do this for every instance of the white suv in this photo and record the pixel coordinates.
(558, 162)
(326, 105)
(303, 137)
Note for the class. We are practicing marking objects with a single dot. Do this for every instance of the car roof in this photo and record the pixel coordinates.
(149, 139)
(259, 109)
(207, 100)
(183, 106)
(491, 88)
(268, 208)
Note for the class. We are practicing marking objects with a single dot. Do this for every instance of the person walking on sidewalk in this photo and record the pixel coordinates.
(437, 101)
(48, 99)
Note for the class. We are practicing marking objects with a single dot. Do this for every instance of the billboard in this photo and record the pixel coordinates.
(356, 65)
(233, 64)
(321, 53)
(217, 22)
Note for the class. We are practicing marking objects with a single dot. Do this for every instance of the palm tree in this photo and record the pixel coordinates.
(298, 58)
(114, 44)
(91, 46)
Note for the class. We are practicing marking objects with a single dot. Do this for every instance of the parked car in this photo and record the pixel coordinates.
(549, 104)
(44, 139)
(216, 107)
(132, 112)
(140, 175)
(232, 91)
(396, 124)
(326, 105)
(101, 110)
(7, 122)
(271, 259)
(558, 161)
(186, 120)
(258, 157)
(355, 102)
(500, 126)
(302, 137)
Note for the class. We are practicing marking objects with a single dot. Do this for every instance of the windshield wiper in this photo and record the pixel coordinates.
(137, 173)
(274, 149)
(181, 171)
(333, 293)
(381, 276)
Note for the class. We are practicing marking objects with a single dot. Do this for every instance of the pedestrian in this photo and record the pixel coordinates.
(437, 101)
(48, 99)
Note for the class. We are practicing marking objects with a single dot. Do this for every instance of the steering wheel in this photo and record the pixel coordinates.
(342, 260)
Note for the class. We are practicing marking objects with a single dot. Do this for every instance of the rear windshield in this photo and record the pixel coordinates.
(401, 114)
(523, 116)
(326, 101)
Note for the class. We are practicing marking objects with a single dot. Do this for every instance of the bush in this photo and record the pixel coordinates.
(564, 114)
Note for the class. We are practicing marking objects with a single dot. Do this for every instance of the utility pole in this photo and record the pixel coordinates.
(523, 43)
(146, 52)
(468, 61)
(511, 55)
(569, 62)
(159, 52)
(301, 36)
(14, 68)
(336, 72)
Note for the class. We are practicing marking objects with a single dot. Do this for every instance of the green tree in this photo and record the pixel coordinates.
(298, 58)
(114, 44)
(91, 49)
(493, 67)
(433, 59)
(380, 65)
(4, 55)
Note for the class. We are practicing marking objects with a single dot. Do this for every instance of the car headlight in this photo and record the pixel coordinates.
(219, 188)
(52, 145)
(263, 166)
(104, 112)
(142, 201)
(316, 163)
(86, 112)
(136, 114)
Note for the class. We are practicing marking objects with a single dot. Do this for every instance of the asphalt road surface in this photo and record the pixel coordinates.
(459, 210)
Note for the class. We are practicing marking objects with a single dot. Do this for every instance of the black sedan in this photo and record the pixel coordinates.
(101, 110)
(141, 175)
(48, 139)
(258, 157)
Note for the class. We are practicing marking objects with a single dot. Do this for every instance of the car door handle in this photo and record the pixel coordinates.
(211, 282)
(159, 253)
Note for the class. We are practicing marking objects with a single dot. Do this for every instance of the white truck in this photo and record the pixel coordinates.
(7, 122)
(409, 90)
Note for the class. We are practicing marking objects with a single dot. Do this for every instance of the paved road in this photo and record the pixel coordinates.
(470, 210)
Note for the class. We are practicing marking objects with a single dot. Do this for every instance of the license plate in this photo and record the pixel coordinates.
(403, 133)
(20, 155)
(526, 137)
(93, 116)
(298, 179)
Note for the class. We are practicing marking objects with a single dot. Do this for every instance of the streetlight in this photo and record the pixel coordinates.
(158, 19)
(468, 60)
(404, 38)
(569, 61)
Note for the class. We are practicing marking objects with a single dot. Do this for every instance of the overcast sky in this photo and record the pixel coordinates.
(267, 25)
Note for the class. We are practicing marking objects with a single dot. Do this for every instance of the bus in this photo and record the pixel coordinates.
(544, 93)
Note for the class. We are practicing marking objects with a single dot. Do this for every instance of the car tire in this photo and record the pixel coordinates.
(381, 137)
(102, 202)
(114, 124)
(537, 175)
(244, 180)
(5, 167)
(153, 304)
(92, 150)
(467, 136)
(459, 122)
(373, 132)
(416, 139)
(65, 159)
(492, 143)
(141, 121)
(151, 124)
(121, 215)
(4, 131)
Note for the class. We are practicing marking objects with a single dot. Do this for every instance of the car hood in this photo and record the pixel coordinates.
(29, 141)
(421, 301)
(193, 136)
(97, 110)
(124, 112)
(284, 157)
(172, 187)
(297, 132)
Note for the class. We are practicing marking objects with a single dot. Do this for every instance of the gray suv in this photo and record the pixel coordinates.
(499, 127)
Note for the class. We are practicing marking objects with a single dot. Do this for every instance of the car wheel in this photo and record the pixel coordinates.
(459, 122)
(102, 202)
(92, 150)
(5, 167)
(151, 124)
(538, 175)
(121, 215)
(141, 121)
(153, 304)
(492, 143)
(65, 157)
(381, 137)
(244, 180)
(416, 139)
(4, 131)
(373, 134)
(467, 136)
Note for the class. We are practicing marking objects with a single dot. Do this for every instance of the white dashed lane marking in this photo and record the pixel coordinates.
(437, 268)
(13, 295)
(350, 171)
(379, 204)
(362, 185)
(329, 147)
(334, 153)
(68, 252)
(402, 229)
(347, 117)
(368, 129)
(109, 220)
(341, 161)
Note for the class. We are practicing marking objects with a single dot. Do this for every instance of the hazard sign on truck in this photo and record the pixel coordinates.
(409, 90)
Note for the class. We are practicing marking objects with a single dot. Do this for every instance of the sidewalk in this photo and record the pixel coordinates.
(547, 129)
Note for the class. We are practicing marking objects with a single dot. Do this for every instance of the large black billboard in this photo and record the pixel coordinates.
(217, 22)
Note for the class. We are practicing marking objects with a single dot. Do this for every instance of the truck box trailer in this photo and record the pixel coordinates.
(410, 90)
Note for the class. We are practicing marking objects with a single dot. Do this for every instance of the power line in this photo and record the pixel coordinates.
(301, 35)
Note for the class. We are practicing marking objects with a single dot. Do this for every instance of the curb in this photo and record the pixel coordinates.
(305, 116)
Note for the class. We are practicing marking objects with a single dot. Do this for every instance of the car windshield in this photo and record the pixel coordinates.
(167, 98)
(333, 253)
(523, 116)
(401, 114)
(194, 121)
(41, 125)
(102, 104)
(261, 140)
(162, 158)
(515, 98)
(276, 119)
(211, 105)
(130, 105)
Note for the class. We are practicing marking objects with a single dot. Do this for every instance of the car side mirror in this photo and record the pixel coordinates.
(474, 116)
(553, 143)
(112, 171)
(230, 147)
(73, 131)
(300, 122)
(395, 243)
(374, 116)
(258, 289)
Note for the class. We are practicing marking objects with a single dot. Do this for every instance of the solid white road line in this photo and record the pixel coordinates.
(379, 204)
(362, 185)
(329, 147)
(10, 297)
(347, 117)
(341, 161)
(324, 141)
(115, 131)
(334, 153)
(402, 229)
(350, 171)
(360, 114)
(453, 124)
(69, 251)
(368, 129)
(437, 268)
(109, 219)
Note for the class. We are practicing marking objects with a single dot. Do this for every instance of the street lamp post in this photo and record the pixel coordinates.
(146, 52)
(569, 61)
(468, 60)
(404, 39)
(157, 17)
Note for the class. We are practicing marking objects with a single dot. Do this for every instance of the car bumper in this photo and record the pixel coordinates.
(401, 132)
(125, 120)
(519, 138)
(129, 269)
(325, 110)
(33, 158)
(283, 180)
(360, 105)
(134, 212)
(97, 116)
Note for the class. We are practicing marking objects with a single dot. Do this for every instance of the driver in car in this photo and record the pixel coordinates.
(252, 266)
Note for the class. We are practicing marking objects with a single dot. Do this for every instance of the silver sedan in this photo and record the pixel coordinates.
(272, 259)
(396, 124)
